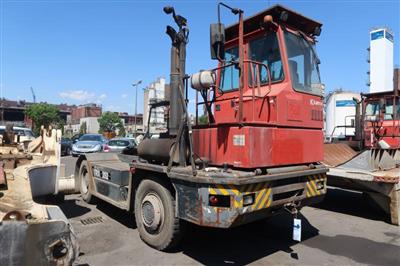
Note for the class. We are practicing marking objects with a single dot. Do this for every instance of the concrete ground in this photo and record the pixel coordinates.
(342, 230)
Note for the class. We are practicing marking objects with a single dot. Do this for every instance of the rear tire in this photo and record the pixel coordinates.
(84, 183)
(155, 216)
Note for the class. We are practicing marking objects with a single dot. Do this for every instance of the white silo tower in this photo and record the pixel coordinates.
(381, 60)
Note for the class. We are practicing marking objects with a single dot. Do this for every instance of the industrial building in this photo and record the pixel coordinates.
(14, 112)
(157, 91)
(90, 113)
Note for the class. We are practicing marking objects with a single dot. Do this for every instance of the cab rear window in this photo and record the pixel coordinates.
(120, 143)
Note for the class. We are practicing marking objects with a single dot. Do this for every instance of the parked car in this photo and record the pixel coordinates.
(89, 143)
(118, 144)
(66, 146)
(25, 134)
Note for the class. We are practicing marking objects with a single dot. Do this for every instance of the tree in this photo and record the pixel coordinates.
(109, 122)
(61, 125)
(203, 120)
(121, 132)
(43, 114)
(83, 128)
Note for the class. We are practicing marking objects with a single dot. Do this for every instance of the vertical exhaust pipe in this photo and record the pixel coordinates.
(178, 58)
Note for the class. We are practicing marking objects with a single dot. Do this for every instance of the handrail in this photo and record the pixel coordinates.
(268, 73)
(257, 77)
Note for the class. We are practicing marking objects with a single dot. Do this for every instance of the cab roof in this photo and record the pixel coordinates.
(372, 95)
(295, 20)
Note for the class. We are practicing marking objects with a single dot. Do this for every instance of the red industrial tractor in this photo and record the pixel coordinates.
(257, 155)
(370, 162)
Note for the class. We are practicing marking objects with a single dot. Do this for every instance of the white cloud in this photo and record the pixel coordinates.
(124, 95)
(78, 95)
(112, 108)
(83, 96)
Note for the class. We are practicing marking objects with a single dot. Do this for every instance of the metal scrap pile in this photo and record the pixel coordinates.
(32, 233)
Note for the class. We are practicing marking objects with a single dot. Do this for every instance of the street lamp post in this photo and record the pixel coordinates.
(136, 84)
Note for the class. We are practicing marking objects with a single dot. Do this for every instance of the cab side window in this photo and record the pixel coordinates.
(230, 75)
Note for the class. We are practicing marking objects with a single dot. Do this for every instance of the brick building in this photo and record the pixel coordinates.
(14, 112)
(82, 111)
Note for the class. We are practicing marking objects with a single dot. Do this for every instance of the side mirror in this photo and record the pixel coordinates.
(217, 41)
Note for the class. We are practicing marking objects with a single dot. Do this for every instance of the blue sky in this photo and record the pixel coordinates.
(92, 51)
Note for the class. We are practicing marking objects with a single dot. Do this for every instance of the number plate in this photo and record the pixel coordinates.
(101, 174)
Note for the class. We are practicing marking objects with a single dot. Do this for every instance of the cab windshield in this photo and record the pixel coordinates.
(390, 112)
(303, 64)
(265, 50)
(373, 109)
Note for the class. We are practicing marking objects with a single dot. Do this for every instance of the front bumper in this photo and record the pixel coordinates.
(246, 203)
(78, 152)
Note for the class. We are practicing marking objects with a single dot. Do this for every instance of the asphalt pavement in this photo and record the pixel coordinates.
(342, 230)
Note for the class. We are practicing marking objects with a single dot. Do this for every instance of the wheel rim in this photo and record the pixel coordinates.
(152, 212)
(84, 182)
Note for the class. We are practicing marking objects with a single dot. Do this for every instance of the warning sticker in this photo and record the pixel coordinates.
(238, 140)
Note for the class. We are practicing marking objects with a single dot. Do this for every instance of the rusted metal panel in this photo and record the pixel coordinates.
(387, 179)
(45, 243)
(337, 153)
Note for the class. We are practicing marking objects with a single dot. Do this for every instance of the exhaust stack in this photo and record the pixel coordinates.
(178, 58)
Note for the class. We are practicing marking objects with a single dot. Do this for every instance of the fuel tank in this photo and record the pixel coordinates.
(156, 150)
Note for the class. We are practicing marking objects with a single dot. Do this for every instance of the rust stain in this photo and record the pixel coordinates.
(337, 153)
(387, 179)
(3, 181)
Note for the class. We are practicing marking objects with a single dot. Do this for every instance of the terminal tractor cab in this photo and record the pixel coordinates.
(262, 102)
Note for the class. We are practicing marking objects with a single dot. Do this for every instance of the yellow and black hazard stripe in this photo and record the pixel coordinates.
(311, 185)
(262, 194)
(263, 197)
(263, 191)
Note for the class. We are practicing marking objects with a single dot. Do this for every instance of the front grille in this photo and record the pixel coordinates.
(85, 147)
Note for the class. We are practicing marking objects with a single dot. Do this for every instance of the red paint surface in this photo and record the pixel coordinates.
(264, 146)
(280, 125)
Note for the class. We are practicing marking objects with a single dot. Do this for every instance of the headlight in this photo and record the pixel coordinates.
(97, 147)
(74, 147)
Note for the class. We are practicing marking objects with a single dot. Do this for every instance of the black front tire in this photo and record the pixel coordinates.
(84, 183)
(168, 234)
